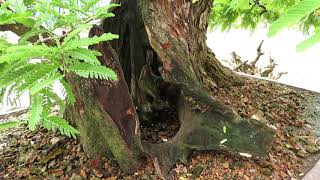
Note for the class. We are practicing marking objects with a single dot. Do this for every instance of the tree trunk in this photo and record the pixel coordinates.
(166, 62)
(105, 115)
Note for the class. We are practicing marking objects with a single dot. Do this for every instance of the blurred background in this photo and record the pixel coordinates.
(303, 68)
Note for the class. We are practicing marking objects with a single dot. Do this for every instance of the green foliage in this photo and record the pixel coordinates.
(77, 43)
(294, 16)
(35, 112)
(93, 71)
(9, 124)
(302, 14)
(247, 13)
(314, 39)
(54, 122)
(34, 66)
(67, 92)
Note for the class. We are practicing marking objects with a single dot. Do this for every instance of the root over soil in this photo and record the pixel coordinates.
(45, 154)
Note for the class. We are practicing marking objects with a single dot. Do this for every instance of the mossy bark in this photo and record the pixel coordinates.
(176, 31)
(166, 62)
(105, 115)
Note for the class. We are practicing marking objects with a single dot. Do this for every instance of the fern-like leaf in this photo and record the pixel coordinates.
(36, 76)
(88, 56)
(293, 15)
(73, 34)
(45, 83)
(314, 39)
(9, 57)
(37, 48)
(68, 92)
(16, 75)
(89, 41)
(24, 18)
(93, 71)
(47, 102)
(90, 4)
(54, 122)
(35, 112)
(27, 52)
(25, 37)
(55, 98)
(9, 124)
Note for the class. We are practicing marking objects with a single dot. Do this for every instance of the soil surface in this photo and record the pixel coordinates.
(295, 114)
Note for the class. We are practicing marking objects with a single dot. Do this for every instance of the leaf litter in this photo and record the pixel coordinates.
(47, 155)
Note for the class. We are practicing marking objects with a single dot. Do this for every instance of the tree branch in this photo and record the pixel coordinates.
(259, 54)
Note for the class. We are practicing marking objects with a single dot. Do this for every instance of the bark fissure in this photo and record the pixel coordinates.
(166, 62)
(105, 114)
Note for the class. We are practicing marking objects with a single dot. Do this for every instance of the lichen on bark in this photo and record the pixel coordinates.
(166, 62)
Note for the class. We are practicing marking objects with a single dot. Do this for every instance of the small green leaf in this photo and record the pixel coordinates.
(45, 83)
(86, 55)
(35, 112)
(93, 71)
(314, 39)
(89, 41)
(25, 18)
(244, 4)
(72, 35)
(90, 4)
(68, 92)
(293, 15)
(9, 124)
(55, 122)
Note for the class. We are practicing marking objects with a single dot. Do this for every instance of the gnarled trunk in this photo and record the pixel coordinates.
(105, 115)
(163, 54)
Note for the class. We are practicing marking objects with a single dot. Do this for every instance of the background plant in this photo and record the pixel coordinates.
(43, 57)
(300, 14)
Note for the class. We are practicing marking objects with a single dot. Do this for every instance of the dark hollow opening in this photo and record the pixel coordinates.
(155, 101)
(161, 124)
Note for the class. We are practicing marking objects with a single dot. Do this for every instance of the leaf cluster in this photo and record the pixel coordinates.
(300, 14)
(34, 67)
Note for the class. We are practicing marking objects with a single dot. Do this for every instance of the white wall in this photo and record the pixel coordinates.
(303, 68)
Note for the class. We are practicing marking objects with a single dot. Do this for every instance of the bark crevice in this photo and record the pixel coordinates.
(166, 62)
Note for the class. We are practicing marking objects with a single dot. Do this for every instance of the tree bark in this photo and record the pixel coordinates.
(105, 115)
(163, 53)
(166, 62)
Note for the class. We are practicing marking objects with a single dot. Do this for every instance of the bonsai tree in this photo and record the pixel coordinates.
(159, 61)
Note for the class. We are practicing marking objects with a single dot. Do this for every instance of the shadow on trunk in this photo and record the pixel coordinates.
(162, 61)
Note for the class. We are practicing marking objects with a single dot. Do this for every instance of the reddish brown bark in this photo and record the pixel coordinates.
(163, 52)
(105, 115)
(114, 95)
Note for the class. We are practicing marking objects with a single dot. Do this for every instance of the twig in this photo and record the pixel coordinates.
(205, 168)
(259, 54)
(240, 65)
(264, 9)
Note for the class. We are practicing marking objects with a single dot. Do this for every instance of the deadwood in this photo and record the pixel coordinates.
(163, 53)
(105, 115)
